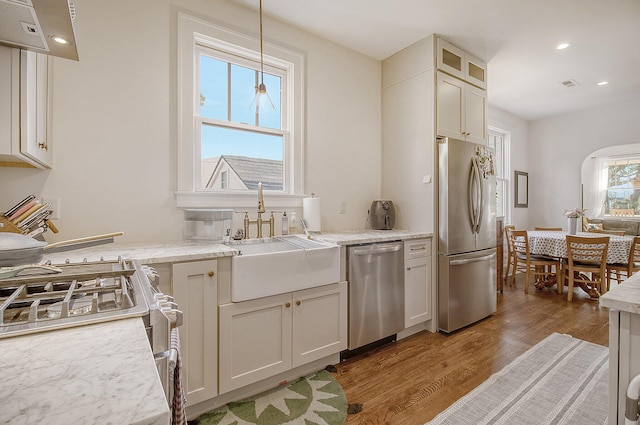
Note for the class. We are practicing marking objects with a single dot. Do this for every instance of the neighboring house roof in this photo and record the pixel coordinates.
(208, 167)
(254, 170)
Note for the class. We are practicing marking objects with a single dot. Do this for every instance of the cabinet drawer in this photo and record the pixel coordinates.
(417, 248)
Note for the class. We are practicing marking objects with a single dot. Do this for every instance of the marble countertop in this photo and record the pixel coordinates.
(355, 237)
(74, 376)
(175, 251)
(147, 253)
(625, 296)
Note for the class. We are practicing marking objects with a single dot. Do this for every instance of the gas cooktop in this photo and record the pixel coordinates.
(79, 294)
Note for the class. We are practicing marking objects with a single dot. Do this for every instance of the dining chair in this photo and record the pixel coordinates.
(624, 271)
(511, 265)
(549, 229)
(608, 232)
(586, 263)
(542, 268)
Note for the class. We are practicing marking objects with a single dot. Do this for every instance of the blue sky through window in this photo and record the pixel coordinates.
(216, 78)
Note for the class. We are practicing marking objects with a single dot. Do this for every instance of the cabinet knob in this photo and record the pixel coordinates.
(408, 268)
(288, 305)
(211, 274)
(43, 145)
(298, 302)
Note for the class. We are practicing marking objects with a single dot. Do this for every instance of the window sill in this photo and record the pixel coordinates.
(237, 200)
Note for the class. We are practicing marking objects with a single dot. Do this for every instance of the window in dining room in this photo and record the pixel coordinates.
(622, 195)
(498, 141)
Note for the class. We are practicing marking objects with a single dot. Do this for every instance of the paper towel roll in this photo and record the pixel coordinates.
(311, 213)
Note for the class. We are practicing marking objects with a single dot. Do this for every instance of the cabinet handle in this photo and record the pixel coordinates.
(43, 145)
(211, 274)
(288, 305)
(298, 302)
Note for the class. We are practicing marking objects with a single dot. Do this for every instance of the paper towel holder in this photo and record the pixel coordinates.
(312, 213)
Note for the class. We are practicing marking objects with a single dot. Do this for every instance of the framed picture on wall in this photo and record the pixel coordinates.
(521, 189)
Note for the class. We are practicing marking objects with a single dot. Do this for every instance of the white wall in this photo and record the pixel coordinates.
(518, 157)
(114, 129)
(558, 147)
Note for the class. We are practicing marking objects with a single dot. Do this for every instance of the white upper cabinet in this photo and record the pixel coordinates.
(25, 96)
(461, 110)
(35, 142)
(460, 64)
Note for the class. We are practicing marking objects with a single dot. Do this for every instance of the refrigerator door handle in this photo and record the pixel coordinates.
(481, 194)
(471, 260)
(470, 190)
(475, 196)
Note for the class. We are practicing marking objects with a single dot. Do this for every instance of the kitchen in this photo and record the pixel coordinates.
(115, 164)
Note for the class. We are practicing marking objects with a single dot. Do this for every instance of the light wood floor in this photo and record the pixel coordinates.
(410, 381)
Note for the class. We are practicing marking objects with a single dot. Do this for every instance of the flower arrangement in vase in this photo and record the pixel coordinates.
(575, 213)
(572, 218)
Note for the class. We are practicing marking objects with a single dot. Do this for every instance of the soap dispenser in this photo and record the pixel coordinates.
(285, 224)
(293, 224)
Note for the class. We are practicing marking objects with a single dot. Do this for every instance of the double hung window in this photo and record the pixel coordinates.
(497, 140)
(228, 142)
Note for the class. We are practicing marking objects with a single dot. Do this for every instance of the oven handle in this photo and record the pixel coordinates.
(171, 356)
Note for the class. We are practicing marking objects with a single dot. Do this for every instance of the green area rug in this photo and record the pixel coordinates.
(317, 399)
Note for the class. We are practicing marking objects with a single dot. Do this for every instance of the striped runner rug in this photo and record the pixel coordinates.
(560, 380)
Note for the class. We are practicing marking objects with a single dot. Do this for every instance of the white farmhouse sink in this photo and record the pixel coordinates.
(279, 265)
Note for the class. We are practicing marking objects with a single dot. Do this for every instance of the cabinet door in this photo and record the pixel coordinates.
(255, 340)
(417, 287)
(450, 106)
(476, 71)
(194, 288)
(450, 58)
(35, 142)
(319, 322)
(475, 114)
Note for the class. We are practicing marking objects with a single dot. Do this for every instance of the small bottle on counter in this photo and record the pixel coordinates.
(285, 224)
(293, 224)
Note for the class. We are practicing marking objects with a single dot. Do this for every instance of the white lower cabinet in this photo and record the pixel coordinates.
(263, 337)
(195, 290)
(417, 282)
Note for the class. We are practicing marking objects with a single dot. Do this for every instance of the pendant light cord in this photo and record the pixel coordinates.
(261, 53)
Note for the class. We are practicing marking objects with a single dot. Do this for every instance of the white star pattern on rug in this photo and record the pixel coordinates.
(302, 402)
(316, 406)
(277, 400)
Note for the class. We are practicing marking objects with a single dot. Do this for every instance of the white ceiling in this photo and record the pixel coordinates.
(517, 38)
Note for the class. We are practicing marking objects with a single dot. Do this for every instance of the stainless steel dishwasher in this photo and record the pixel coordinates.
(376, 292)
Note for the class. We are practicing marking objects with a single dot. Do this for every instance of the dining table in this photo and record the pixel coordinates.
(554, 244)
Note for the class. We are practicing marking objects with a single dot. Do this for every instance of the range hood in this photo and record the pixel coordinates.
(36, 24)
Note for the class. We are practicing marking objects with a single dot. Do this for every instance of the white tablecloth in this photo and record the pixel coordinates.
(554, 244)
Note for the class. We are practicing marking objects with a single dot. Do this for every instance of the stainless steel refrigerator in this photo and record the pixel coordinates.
(466, 233)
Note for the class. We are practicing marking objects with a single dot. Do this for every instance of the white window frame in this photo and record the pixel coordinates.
(506, 158)
(612, 160)
(192, 32)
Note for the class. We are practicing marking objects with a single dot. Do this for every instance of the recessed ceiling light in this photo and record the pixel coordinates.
(562, 46)
(603, 83)
(60, 40)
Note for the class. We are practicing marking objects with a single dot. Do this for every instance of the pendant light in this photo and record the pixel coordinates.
(262, 98)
